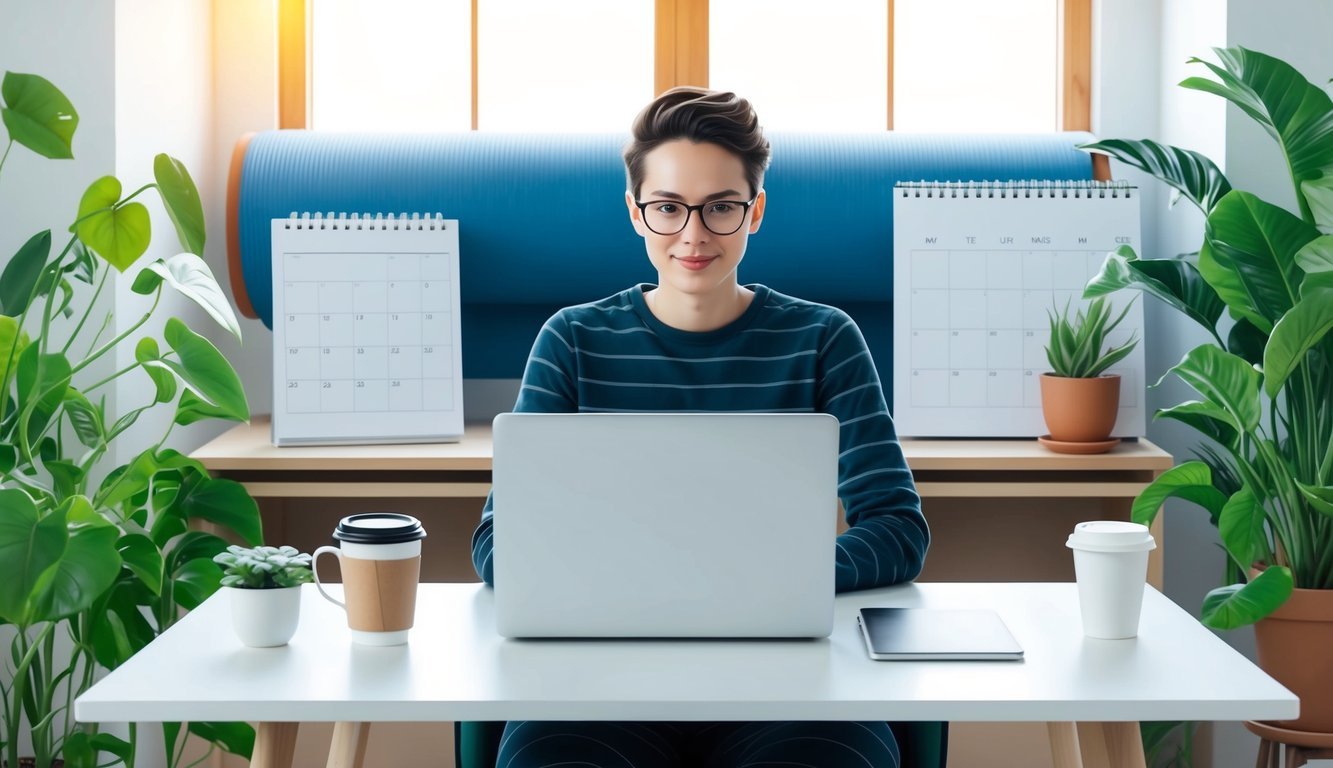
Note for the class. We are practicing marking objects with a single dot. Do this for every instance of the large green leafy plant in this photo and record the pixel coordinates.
(1265, 389)
(103, 553)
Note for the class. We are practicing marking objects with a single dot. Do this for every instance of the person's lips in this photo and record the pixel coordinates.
(695, 262)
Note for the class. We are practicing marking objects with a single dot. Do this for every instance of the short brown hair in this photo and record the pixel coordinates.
(698, 115)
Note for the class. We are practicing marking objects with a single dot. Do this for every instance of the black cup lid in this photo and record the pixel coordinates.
(379, 528)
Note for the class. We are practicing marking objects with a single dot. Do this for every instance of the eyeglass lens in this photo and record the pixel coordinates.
(721, 217)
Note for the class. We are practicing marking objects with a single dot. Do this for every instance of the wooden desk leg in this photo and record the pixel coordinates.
(1064, 745)
(275, 745)
(1096, 745)
(348, 749)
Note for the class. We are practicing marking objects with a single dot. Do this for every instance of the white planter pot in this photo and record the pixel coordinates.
(264, 618)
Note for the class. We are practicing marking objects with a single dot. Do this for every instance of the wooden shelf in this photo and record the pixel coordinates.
(981, 497)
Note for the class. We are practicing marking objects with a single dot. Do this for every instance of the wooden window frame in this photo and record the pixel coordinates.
(681, 58)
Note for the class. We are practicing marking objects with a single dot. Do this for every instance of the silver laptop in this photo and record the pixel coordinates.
(665, 525)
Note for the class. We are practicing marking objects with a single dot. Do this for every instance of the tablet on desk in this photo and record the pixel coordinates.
(919, 634)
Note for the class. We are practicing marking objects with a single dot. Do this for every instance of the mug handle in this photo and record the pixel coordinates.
(314, 568)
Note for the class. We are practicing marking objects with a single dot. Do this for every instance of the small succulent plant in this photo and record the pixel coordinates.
(1076, 347)
(263, 567)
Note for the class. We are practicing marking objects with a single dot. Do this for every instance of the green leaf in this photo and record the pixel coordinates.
(1316, 255)
(119, 234)
(143, 558)
(194, 545)
(170, 458)
(129, 481)
(1240, 604)
(1192, 481)
(38, 115)
(66, 477)
(87, 568)
(1316, 281)
(181, 200)
(167, 527)
(1241, 526)
(105, 742)
(196, 581)
(41, 381)
(1204, 417)
(1225, 381)
(1304, 326)
(236, 738)
(1192, 174)
(1175, 281)
(203, 369)
(170, 734)
(77, 751)
(1319, 197)
(189, 274)
(30, 545)
(191, 409)
(1247, 342)
(146, 282)
(164, 382)
(21, 274)
(85, 417)
(222, 501)
(1319, 497)
(12, 344)
(1294, 111)
(120, 629)
(1249, 257)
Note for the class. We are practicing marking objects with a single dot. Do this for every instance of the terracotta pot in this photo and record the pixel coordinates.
(1295, 645)
(1080, 410)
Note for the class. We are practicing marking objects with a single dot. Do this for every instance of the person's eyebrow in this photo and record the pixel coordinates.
(726, 194)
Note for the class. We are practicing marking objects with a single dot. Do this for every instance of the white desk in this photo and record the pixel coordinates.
(456, 668)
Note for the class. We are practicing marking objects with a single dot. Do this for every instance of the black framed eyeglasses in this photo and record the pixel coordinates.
(669, 217)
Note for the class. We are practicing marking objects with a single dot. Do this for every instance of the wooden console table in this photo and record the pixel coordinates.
(998, 509)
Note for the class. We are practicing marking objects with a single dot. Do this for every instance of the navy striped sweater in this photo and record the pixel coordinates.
(782, 355)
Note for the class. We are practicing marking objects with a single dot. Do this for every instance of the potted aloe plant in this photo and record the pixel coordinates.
(1265, 381)
(1079, 400)
(99, 552)
(264, 588)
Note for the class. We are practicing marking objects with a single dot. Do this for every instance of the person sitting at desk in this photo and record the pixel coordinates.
(701, 341)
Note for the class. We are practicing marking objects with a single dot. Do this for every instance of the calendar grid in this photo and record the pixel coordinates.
(975, 280)
(369, 336)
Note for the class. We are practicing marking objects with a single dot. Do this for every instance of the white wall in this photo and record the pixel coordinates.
(164, 103)
(246, 99)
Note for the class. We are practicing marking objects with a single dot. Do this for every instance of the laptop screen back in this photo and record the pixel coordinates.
(664, 525)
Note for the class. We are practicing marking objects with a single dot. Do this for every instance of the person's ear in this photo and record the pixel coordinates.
(757, 211)
(635, 215)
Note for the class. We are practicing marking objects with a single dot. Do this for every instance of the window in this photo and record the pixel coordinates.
(370, 71)
(519, 65)
(996, 71)
(585, 66)
(804, 71)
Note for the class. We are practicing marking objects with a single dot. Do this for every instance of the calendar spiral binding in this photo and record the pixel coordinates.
(1038, 188)
(363, 221)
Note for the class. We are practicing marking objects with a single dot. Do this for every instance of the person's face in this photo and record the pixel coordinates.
(695, 260)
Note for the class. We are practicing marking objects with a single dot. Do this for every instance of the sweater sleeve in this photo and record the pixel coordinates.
(887, 539)
(548, 387)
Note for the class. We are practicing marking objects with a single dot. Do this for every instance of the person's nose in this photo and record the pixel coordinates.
(695, 232)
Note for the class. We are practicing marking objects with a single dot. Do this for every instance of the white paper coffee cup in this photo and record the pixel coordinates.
(1111, 566)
